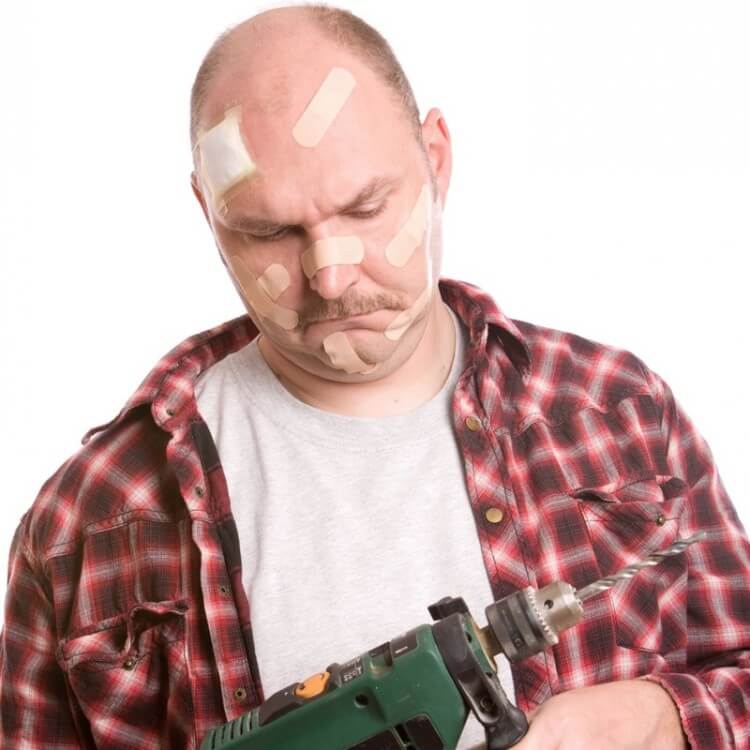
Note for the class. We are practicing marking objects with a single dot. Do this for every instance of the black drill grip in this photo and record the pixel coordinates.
(504, 723)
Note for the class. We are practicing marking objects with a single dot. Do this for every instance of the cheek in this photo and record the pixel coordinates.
(411, 277)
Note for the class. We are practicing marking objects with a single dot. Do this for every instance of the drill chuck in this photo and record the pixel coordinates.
(528, 621)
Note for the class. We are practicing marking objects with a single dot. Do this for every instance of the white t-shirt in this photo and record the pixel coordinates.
(349, 527)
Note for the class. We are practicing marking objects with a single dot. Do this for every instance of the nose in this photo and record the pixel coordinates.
(331, 282)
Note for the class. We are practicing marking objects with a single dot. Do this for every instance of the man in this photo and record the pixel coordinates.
(294, 486)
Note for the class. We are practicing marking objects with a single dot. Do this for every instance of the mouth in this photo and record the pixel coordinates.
(374, 319)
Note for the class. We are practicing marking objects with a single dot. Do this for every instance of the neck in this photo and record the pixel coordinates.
(416, 381)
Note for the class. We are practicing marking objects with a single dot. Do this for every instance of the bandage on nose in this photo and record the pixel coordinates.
(332, 251)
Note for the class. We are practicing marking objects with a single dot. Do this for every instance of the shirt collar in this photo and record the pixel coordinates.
(168, 388)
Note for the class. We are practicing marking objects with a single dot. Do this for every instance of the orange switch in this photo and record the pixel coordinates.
(313, 686)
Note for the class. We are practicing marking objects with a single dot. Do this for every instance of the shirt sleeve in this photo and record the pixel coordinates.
(713, 693)
(34, 708)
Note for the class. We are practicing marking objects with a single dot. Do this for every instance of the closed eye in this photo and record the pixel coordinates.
(367, 213)
(269, 236)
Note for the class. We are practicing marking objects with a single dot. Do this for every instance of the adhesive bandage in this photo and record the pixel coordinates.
(223, 160)
(331, 251)
(259, 299)
(274, 280)
(397, 327)
(342, 355)
(408, 238)
(323, 107)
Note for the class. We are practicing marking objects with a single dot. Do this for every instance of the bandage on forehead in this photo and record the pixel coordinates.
(223, 159)
(258, 297)
(342, 355)
(330, 252)
(323, 107)
(408, 238)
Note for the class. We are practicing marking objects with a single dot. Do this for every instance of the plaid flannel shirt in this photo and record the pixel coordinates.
(127, 625)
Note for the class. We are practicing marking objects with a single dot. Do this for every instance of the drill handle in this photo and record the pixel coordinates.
(482, 692)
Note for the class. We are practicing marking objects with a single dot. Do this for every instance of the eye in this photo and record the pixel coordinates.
(368, 213)
(269, 237)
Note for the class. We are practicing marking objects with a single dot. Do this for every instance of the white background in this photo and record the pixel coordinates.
(601, 185)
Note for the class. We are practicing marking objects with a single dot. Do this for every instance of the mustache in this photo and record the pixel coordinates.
(346, 306)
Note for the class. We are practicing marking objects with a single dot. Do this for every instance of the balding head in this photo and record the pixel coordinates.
(322, 188)
(266, 41)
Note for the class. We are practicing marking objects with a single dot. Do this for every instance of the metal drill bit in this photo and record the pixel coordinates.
(653, 559)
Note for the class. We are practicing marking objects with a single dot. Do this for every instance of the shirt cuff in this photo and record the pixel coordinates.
(702, 718)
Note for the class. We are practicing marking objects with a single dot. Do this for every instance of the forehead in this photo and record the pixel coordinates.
(368, 136)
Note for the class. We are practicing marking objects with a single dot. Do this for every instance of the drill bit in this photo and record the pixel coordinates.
(653, 559)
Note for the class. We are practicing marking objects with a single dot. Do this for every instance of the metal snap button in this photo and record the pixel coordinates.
(494, 515)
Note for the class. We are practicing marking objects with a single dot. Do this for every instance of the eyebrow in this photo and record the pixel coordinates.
(377, 187)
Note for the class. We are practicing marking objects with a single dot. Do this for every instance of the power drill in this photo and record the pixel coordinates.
(415, 691)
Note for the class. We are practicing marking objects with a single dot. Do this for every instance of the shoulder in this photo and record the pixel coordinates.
(569, 372)
(121, 470)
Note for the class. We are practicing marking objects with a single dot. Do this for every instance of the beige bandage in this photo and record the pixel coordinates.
(343, 357)
(223, 159)
(259, 299)
(274, 280)
(331, 251)
(409, 237)
(397, 327)
(323, 107)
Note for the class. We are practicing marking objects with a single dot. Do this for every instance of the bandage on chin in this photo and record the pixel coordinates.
(223, 159)
(342, 355)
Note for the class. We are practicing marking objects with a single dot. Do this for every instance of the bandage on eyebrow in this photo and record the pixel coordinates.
(398, 326)
(323, 107)
(259, 299)
(330, 252)
(343, 357)
(223, 158)
(408, 238)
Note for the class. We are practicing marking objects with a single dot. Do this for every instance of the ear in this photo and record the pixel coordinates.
(437, 143)
(198, 193)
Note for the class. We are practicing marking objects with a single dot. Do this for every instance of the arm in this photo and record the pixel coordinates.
(713, 694)
(34, 708)
(708, 703)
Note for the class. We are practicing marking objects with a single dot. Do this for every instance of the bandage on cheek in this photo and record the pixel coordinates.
(342, 355)
(274, 280)
(323, 107)
(409, 237)
(223, 159)
(398, 326)
(330, 252)
(261, 294)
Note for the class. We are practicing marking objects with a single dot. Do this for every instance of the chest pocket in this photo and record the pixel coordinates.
(129, 676)
(625, 523)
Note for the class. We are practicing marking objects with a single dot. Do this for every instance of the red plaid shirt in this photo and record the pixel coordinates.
(126, 622)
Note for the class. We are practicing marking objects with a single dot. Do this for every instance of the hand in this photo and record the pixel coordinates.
(627, 715)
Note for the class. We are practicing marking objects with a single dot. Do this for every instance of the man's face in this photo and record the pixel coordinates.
(361, 183)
